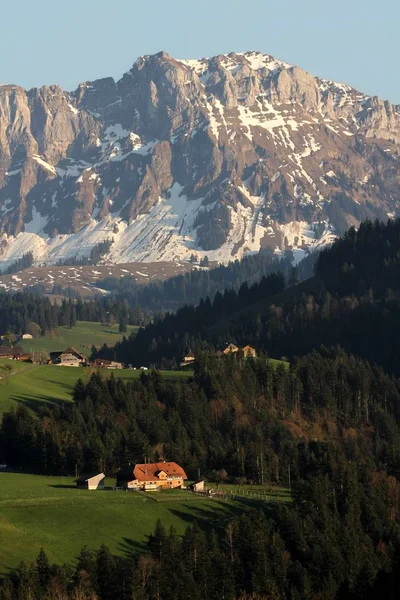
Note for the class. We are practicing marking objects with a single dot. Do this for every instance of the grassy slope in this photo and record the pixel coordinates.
(83, 335)
(49, 512)
(33, 384)
(48, 383)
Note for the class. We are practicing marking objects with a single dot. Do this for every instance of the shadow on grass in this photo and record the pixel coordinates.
(212, 516)
(58, 383)
(64, 487)
(109, 332)
(36, 402)
(128, 546)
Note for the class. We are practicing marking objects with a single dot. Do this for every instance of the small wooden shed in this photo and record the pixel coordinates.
(198, 486)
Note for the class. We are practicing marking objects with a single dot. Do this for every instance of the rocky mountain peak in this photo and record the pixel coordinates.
(218, 156)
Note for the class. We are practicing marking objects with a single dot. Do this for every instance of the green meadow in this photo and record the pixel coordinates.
(33, 384)
(49, 512)
(82, 337)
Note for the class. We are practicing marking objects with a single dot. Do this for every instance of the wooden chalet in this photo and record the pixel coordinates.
(249, 351)
(71, 357)
(231, 348)
(188, 359)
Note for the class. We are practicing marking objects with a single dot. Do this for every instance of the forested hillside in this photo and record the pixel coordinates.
(332, 421)
(165, 340)
(354, 301)
(235, 414)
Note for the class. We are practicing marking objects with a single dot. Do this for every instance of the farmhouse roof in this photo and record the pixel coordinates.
(72, 350)
(14, 351)
(231, 348)
(102, 362)
(249, 348)
(149, 471)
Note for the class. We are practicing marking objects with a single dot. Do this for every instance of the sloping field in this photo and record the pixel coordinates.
(50, 512)
(82, 337)
(35, 384)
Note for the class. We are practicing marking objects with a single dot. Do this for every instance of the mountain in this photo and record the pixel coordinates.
(216, 157)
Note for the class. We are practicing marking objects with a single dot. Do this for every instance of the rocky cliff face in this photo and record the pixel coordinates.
(217, 156)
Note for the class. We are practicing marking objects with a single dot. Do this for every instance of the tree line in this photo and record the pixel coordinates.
(22, 312)
(22, 263)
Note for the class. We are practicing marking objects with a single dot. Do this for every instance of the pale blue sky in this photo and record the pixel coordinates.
(65, 42)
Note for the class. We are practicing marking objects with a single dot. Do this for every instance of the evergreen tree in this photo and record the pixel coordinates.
(122, 323)
(72, 316)
(43, 569)
(105, 571)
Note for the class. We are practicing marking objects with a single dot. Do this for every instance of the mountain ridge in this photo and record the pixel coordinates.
(218, 156)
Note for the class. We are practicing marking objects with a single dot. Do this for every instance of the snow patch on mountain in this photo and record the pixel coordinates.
(44, 164)
(166, 233)
(37, 223)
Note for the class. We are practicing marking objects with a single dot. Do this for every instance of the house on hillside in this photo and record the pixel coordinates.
(152, 476)
(6, 352)
(71, 350)
(249, 351)
(231, 348)
(102, 363)
(71, 357)
(67, 359)
(188, 359)
(16, 352)
(91, 481)
(27, 336)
